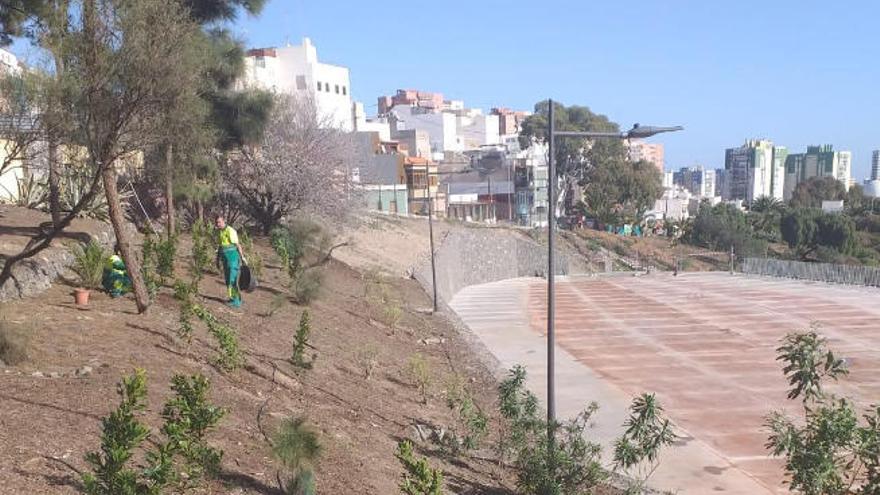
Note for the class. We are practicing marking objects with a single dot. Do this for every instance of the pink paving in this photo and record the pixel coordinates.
(705, 344)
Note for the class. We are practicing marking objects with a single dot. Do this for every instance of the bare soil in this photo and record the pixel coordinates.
(50, 416)
(660, 252)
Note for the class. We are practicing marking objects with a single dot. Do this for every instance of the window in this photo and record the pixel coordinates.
(344, 92)
(300, 82)
(319, 85)
(337, 89)
(261, 62)
(327, 87)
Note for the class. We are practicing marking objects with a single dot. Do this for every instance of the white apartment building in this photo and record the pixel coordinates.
(448, 130)
(296, 70)
(362, 124)
(441, 127)
(755, 169)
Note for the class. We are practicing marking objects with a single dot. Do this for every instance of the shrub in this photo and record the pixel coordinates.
(301, 341)
(121, 435)
(575, 467)
(88, 264)
(637, 451)
(472, 421)
(381, 298)
(188, 418)
(306, 287)
(367, 359)
(419, 371)
(158, 259)
(830, 451)
(204, 249)
(418, 477)
(293, 244)
(166, 252)
(296, 446)
(230, 356)
(14, 344)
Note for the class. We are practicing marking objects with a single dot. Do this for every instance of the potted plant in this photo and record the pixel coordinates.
(88, 264)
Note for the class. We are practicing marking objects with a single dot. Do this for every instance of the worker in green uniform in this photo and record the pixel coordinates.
(231, 257)
(115, 277)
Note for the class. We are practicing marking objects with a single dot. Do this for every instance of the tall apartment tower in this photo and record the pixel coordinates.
(875, 165)
(818, 161)
(755, 169)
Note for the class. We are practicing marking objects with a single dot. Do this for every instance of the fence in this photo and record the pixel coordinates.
(822, 272)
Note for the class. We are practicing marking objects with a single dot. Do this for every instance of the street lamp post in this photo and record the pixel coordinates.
(637, 131)
(431, 234)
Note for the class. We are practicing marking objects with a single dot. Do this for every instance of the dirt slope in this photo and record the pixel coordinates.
(50, 417)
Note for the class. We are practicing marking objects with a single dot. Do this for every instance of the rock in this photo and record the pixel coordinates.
(422, 432)
(38, 374)
(84, 371)
(54, 374)
(432, 341)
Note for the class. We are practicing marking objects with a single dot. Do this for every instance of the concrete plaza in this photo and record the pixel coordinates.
(704, 343)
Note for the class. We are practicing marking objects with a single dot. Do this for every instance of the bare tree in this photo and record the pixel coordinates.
(302, 164)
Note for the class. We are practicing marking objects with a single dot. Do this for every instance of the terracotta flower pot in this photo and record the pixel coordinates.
(81, 296)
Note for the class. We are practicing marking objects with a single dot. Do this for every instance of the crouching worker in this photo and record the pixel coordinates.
(230, 256)
(115, 278)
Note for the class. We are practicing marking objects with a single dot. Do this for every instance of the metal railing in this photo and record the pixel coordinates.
(821, 272)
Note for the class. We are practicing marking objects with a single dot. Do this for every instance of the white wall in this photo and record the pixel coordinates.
(295, 70)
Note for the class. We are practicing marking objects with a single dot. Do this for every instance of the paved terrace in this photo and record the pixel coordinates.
(705, 343)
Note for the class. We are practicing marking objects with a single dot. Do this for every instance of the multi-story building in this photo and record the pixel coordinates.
(531, 180)
(363, 124)
(411, 98)
(698, 180)
(448, 130)
(296, 70)
(818, 161)
(421, 179)
(752, 171)
(509, 121)
(875, 165)
(639, 149)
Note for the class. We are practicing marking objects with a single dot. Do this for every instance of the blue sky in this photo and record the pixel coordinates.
(797, 72)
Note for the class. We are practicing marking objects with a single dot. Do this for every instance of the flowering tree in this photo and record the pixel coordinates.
(302, 164)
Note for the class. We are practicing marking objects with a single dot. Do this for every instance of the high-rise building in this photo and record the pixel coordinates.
(751, 170)
(818, 161)
(650, 152)
(699, 181)
(296, 70)
(875, 165)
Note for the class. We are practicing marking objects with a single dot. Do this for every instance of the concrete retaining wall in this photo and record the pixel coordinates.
(475, 256)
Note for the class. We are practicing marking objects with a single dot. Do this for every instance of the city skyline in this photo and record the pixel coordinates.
(727, 72)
